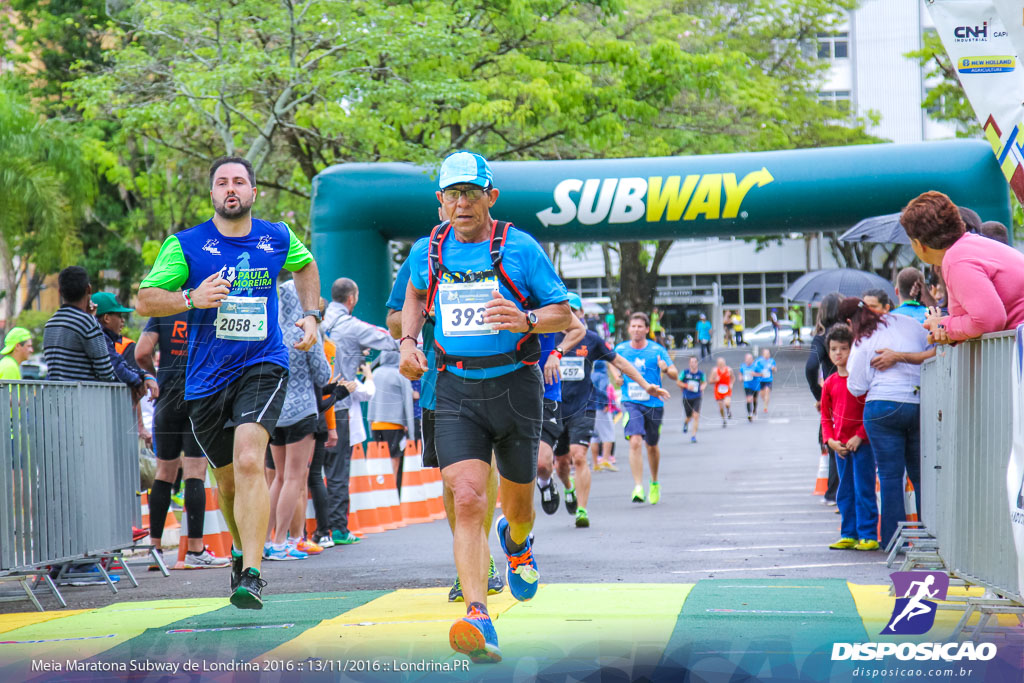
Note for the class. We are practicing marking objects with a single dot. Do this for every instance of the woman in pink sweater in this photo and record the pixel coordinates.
(984, 278)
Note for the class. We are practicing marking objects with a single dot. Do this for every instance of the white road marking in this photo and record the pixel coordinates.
(769, 522)
(746, 547)
(774, 512)
(768, 569)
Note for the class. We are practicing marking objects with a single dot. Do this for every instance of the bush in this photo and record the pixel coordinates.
(34, 321)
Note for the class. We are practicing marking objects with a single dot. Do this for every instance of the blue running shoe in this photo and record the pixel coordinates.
(474, 635)
(284, 553)
(521, 575)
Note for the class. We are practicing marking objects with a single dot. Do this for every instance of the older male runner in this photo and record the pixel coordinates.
(237, 361)
(491, 289)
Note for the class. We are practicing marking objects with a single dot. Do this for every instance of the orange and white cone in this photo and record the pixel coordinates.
(821, 484)
(413, 495)
(434, 488)
(385, 489)
(362, 508)
(910, 501)
(216, 535)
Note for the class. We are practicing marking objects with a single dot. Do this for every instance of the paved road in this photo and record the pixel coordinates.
(737, 504)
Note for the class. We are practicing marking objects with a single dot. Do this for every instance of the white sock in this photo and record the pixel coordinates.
(542, 482)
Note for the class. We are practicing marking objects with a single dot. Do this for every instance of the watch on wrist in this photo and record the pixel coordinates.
(559, 351)
(531, 321)
(315, 313)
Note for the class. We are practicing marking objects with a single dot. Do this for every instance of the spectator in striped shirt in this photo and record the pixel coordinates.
(74, 347)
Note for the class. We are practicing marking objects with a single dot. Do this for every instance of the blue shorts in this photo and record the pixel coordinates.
(643, 421)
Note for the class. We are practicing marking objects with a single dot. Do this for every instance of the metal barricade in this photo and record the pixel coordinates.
(69, 473)
(966, 433)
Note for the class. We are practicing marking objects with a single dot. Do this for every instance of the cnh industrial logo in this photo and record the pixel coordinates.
(914, 615)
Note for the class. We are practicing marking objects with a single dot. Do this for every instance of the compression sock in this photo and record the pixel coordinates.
(513, 547)
(159, 502)
(195, 506)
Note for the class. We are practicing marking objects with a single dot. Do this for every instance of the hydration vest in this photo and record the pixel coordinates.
(527, 351)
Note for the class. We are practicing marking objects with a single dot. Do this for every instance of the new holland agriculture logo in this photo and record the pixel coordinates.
(995, 64)
(914, 614)
(710, 196)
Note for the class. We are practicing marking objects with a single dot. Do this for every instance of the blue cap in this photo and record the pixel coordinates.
(575, 301)
(465, 167)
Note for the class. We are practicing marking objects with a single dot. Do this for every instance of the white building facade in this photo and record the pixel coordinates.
(868, 75)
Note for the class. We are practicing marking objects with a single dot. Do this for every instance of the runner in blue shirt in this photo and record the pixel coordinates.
(490, 288)
(692, 382)
(495, 584)
(644, 407)
(766, 366)
(579, 408)
(751, 376)
(224, 272)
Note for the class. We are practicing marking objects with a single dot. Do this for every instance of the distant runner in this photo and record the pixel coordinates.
(721, 379)
(692, 382)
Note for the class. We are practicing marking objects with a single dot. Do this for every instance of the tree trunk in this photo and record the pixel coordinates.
(10, 279)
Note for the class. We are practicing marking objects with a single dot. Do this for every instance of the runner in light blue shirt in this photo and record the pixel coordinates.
(766, 366)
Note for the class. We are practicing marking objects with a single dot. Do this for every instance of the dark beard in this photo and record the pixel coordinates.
(232, 214)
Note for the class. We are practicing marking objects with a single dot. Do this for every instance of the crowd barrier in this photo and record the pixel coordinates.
(966, 438)
(69, 473)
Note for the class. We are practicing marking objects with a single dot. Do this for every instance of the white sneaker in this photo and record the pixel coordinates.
(324, 541)
(204, 560)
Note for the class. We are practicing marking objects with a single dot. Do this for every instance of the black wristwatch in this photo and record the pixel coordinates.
(316, 315)
(531, 321)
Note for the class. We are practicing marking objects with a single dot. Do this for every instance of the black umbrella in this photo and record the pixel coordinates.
(885, 229)
(814, 286)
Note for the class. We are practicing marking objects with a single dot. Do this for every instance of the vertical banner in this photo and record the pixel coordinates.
(1015, 471)
(989, 69)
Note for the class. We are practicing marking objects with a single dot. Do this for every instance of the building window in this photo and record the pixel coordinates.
(835, 45)
(706, 280)
(837, 99)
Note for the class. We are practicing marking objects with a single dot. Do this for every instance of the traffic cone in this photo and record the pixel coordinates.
(310, 516)
(382, 481)
(821, 484)
(170, 523)
(910, 501)
(215, 530)
(362, 510)
(434, 489)
(413, 496)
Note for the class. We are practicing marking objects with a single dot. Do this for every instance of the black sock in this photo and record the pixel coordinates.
(195, 507)
(479, 605)
(159, 502)
(513, 547)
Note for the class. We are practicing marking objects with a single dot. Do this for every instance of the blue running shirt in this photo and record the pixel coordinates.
(766, 367)
(645, 360)
(750, 380)
(223, 341)
(428, 399)
(525, 263)
(692, 382)
(548, 343)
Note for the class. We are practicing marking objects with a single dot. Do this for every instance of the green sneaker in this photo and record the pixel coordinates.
(249, 592)
(638, 494)
(866, 544)
(495, 584)
(455, 594)
(582, 521)
(347, 538)
(844, 544)
(570, 497)
(654, 493)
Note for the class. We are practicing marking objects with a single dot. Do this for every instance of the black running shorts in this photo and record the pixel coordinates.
(255, 397)
(429, 452)
(293, 433)
(392, 438)
(172, 432)
(502, 414)
(576, 429)
(692, 405)
(552, 428)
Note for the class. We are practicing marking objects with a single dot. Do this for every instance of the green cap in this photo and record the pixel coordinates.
(16, 336)
(106, 302)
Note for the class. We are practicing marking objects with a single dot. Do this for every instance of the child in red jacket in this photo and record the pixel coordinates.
(842, 428)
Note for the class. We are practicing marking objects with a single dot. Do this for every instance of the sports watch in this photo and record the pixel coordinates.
(315, 313)
(531, 321)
